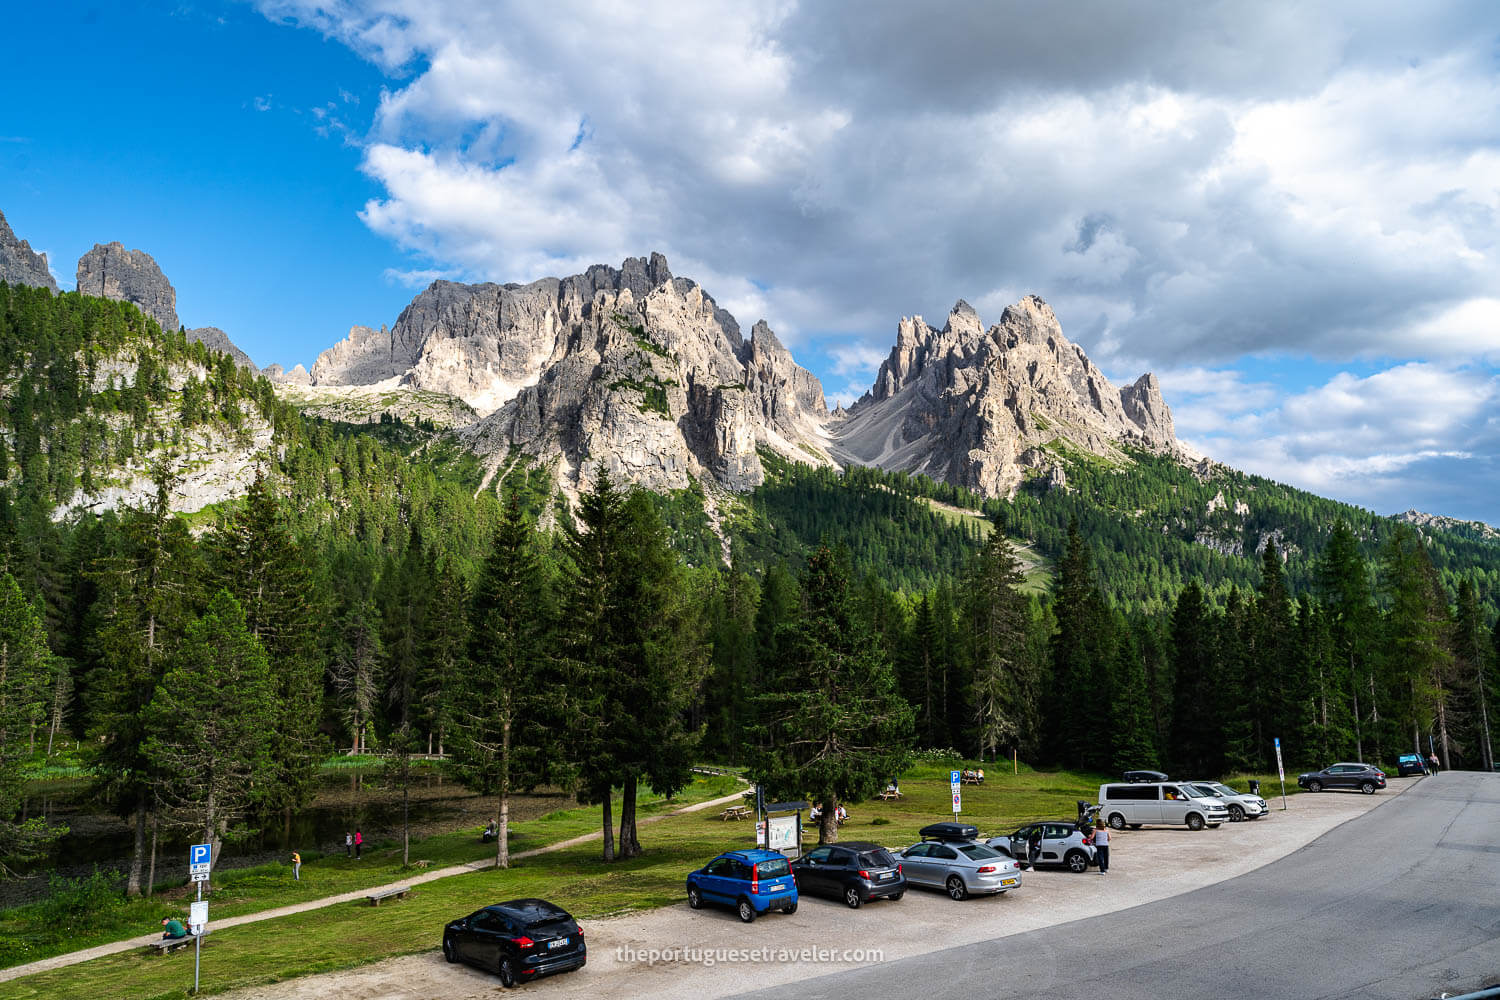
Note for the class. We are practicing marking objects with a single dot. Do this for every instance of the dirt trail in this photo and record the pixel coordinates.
(114, 947)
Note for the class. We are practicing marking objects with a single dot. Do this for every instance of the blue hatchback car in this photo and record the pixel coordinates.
(752, 882)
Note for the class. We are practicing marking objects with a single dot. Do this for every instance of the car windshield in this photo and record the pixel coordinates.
(772, 868)
(978, 852)
(1222, 789)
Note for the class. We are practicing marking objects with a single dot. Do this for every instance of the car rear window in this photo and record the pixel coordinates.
(978, 852)
(877, 859)
(773, 868)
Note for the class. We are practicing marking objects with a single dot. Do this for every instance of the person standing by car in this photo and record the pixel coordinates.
(1034, 847)
(1101, 846)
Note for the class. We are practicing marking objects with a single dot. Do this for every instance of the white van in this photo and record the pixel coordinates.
(1167, 803)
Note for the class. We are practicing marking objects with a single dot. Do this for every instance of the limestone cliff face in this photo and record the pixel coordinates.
(112, 272)
(217, 340)
(19, 264)
(979, 408)
(630, 367)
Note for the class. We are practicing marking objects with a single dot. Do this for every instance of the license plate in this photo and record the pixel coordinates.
(1007, 881)
(886, 876)
(559, 943)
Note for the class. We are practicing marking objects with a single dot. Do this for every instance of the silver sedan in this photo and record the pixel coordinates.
(960, 867)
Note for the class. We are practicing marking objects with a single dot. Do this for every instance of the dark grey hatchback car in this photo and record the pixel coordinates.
(518, 940)
(854, 871)
(1364, 777)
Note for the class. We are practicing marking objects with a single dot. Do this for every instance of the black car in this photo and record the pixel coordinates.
(855, 872)
(1365, 777)
(1137, 777)
(1410, 763)
(518, 940)
(949, 831)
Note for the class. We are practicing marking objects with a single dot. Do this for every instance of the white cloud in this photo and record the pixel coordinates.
(1185, 185)
(857, 358)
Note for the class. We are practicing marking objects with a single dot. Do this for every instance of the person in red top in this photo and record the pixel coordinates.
(359, 842)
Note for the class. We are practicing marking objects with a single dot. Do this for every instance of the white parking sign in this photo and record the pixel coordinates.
(953, 780)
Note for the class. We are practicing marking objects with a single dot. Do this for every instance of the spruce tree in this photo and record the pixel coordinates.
(499, 703)
(1471, 657)
(212, 722)
(1130, 730)
(27, 670)
(833, 726)
(994, 613)
(1342, 581)
(1197, 740)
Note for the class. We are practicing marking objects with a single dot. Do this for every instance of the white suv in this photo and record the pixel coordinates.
(1240, 805)
(1168, 803)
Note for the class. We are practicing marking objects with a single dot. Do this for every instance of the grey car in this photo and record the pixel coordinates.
(1062, 844)
(1241, 806)
(962, 868)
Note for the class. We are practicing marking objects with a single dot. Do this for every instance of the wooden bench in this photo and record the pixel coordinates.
(168, 945)
(735, 812)
(395, 891)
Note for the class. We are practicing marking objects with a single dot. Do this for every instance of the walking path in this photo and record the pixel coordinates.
(114, 947)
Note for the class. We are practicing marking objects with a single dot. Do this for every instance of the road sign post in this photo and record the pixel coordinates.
(1281, 773)
(953, 780)
(200, 863)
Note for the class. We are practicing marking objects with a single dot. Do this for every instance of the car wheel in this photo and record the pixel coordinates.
(695, 900)
(1236, 814)
(790, 909)
(1368, 788)
(1116, 821)
(747, 912)
(1076, 861)
(1214, 826)
(851, 898)
(449, 952)
(956, 888)
(1314, 786)
(507, 973)
(1134, 826)
(1194, 821)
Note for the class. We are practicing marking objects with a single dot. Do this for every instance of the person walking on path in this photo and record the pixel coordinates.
(1432, 763)
(296, 867)
(348, 845)
(1101, 846)
(359, 843)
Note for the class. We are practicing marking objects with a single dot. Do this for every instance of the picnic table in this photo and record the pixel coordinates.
(890, 794)
(973, 777)
(735, 812)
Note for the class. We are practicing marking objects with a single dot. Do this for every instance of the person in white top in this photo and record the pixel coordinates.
(1101, 846)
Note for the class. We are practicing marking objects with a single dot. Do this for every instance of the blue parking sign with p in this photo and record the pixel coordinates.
(200, 856)
(953, 777)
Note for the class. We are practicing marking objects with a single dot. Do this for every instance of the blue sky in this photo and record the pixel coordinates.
(1290, 212)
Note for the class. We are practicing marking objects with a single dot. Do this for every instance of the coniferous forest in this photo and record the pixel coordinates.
(370, 591)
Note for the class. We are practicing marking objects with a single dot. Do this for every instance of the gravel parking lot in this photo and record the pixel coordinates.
(1145, 865)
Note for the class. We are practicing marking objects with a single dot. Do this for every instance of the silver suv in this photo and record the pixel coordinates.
(1240, 805)
(1062, 844)
(959, 864)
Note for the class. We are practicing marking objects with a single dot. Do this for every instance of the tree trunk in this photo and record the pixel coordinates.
(137, 854)
(151, 872)
(1442, 721)
(609, 833)
(286, 824)
(1359, 743)
(502, 841)
(406, 815)
(1487, 750)
(629, 846)
(828, 822)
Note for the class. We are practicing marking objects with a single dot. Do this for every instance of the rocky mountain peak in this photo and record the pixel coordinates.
(19, 264)
(112, 272)
(981, 408)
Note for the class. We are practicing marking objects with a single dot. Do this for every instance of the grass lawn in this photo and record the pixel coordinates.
(349, 935)
(32, 932)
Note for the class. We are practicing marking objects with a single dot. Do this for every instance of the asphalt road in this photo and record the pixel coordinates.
(1403, 902)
